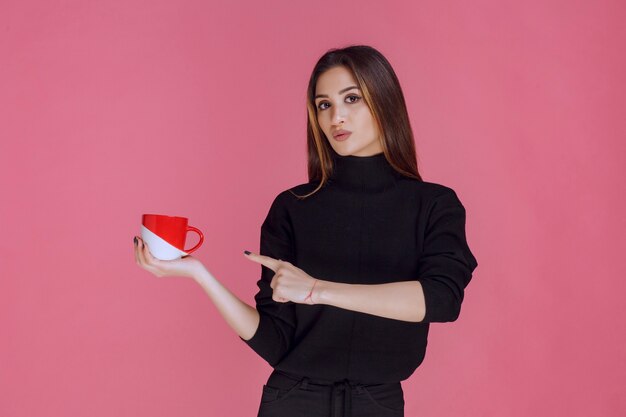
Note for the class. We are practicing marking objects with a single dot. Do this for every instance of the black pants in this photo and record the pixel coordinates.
(287, 395)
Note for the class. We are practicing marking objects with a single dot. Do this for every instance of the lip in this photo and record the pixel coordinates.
(341, 134)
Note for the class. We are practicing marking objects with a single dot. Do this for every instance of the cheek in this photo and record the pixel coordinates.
(365, 117)
(323, 121)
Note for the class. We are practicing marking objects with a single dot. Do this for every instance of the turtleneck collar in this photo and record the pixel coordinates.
(363, 173)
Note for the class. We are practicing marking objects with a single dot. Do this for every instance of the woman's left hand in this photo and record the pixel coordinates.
(289, 283)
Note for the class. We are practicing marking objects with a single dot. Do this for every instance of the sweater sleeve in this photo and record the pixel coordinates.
(274, 335)
(447, 263)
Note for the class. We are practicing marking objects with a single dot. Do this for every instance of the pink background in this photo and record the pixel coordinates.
(112, 109)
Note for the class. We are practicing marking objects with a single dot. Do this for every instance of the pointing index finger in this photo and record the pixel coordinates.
(267, 261)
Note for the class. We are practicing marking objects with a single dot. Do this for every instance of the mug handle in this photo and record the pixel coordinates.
(195, 229)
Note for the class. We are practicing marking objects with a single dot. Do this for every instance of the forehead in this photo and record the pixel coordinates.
(334, 80)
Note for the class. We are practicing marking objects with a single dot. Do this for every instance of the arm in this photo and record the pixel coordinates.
(394, 300)
(269, 328)
(446, 264)
(443, 271)
(241, 317)
(445, 268)
(276, 324)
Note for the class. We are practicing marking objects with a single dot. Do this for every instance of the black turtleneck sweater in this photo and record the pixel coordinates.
(367, 225)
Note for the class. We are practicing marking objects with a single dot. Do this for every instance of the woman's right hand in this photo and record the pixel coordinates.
(184, 267)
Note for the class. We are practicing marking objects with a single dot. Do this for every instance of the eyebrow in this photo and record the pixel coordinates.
(341, 92)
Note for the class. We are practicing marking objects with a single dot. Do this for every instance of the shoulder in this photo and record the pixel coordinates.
(435, 199)
(289, 195)
(285, 198)
(430, 191)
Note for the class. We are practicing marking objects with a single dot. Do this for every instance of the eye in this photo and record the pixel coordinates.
(319, 106)
(351, 99)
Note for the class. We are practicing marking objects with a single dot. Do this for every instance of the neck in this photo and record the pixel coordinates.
(363, 173)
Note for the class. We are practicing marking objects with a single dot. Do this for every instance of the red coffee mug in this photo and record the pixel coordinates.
(165, 235)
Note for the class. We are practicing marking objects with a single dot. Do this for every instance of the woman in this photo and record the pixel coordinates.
(356, 263)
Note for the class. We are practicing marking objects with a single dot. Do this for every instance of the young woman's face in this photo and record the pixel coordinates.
(340, 106)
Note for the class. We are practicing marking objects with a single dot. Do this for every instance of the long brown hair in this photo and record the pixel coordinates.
(382, 94)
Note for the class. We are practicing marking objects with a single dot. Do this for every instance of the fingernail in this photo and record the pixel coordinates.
(247, 252)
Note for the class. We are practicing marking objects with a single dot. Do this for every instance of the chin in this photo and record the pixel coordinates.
(344, 152)
(344, 149)
(337, 151)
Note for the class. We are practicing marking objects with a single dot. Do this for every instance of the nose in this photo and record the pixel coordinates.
(338, 116)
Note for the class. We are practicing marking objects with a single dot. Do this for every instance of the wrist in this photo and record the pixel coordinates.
(202, 276)
(320, 291)
(310, 294)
